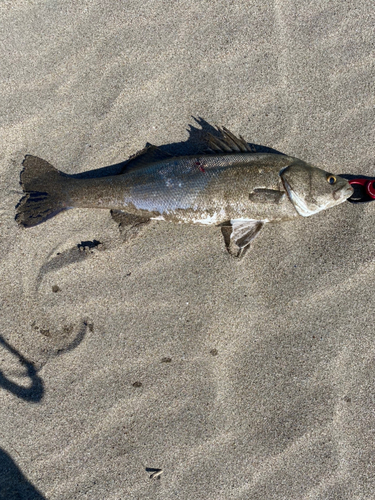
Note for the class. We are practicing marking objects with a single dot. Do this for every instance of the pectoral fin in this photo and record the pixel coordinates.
(266, 196)
(239, 235)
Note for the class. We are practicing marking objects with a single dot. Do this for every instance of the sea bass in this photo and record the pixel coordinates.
(231, 186)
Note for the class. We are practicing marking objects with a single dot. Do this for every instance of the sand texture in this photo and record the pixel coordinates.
(120, 355)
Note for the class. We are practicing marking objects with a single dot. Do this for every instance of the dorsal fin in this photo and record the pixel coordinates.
(228, 142)
(149, 154)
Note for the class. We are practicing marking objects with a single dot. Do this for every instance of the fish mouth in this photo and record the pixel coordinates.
(346, 192)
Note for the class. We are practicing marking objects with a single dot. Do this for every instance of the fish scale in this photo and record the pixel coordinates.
(180, 191)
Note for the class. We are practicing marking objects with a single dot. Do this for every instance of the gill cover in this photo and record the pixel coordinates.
(312, 189)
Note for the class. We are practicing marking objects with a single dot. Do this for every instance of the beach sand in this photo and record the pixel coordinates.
(240, 380)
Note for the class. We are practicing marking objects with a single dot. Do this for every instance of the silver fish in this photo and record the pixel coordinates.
(232, 187)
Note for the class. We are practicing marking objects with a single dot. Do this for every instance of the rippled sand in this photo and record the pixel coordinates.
(251, 380)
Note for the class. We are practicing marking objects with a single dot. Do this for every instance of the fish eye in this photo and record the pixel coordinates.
(331, 179)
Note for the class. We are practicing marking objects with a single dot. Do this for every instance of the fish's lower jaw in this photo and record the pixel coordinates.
(349, 192)
(343, 194)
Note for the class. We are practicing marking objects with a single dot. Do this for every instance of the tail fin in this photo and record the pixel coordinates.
(42, 185)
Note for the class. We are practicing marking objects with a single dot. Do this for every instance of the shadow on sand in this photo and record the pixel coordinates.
(13, 484)
(33, 393)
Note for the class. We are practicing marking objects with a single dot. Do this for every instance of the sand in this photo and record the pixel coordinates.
(240, 380)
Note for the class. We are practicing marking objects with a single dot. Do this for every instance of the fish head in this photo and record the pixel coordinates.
(312, 189)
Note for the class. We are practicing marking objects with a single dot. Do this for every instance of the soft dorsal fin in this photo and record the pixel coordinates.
(150, 154)
(228, 142)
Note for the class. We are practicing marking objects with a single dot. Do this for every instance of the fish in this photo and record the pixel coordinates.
(231, 186)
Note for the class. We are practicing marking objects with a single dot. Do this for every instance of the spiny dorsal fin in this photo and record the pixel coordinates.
(228, 142)
(150, 154)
